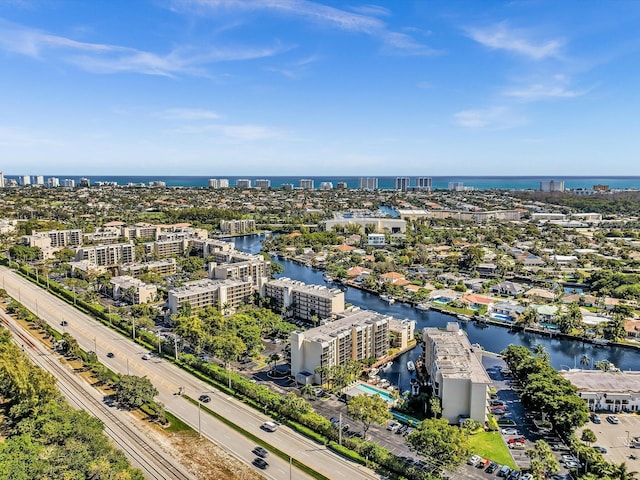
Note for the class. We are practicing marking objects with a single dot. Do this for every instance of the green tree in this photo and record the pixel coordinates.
(543, 462)
(588, 436)
(133, 392)
(368, 409)
(446, 445)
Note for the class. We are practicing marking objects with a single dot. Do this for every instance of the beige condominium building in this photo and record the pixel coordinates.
(222, 294)
(133, 289)
(166, 266)
(236, 227)
(456, 373)
(108, 255)
(359, 336)
(241, 266)
(304, 301)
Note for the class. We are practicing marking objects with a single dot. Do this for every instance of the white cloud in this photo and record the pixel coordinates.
(363, 20)
(501, 37)
(14, 137)
(556, 88)
(104, 58)
(188, 114)
(497, 118)
(246, 132)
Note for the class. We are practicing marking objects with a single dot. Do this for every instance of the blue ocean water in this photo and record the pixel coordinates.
(384, 182)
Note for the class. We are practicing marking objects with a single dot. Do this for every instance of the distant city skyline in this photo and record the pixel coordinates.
(319, 88)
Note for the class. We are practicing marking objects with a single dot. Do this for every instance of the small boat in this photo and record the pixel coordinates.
(464, 318)
(423, 306)
(387, 365)
(373, 372)
(384, 383)
(391, 301)
(600, 341)
(411, 366)
(328, 278)
(387, 298)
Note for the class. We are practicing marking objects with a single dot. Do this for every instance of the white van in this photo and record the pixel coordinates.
(270, 426)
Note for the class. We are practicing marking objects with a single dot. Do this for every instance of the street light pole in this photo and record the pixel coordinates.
(290, 466)
(199, 428)
(95, 345)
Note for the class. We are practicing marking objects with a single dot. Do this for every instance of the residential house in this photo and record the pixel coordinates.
(391, 277)
(545, 313)
(476, 302)
(541, 294)
(507, 288)
(506, 309)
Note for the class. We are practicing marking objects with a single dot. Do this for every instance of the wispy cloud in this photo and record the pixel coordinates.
(362, 19)
(558, 87)
(502, 37)
(245, 132)
(15, 137)
(188, 114)
(296, 69)
(105, 58)
(496, 118)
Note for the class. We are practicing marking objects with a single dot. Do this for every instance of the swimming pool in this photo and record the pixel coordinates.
(363, 387)
(441, 301)
(501, 317)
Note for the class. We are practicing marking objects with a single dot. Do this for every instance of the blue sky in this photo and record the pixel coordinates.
(284, 87)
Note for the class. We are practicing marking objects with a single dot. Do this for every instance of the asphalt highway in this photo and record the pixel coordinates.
(167, 378)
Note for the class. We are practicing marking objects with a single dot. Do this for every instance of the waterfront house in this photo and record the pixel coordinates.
(444, 295)
(632, 327)
(476, 302)
(358, 272)
(476, 285)
(391, 277)
(507, 309)
(545, 313)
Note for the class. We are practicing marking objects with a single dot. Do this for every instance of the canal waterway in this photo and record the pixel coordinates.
(565, 353)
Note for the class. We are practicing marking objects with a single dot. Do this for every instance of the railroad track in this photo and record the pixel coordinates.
(135, 445)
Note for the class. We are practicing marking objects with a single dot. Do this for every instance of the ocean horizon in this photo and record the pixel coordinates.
(384, 182)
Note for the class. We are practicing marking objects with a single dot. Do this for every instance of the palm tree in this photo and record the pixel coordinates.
(585, 361)
(308, 391)
(623, 473)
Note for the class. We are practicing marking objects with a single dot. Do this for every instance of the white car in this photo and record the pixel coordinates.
(146, 356)
(393, 426)
(571, 464)
(473, 459)
(510, 431)
(527, 476)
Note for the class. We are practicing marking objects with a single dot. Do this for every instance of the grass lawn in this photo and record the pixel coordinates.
(490, 445)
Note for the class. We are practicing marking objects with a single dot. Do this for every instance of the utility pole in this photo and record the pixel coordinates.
(95, 346)
(175, 345)
(340, 429)
(199, 427)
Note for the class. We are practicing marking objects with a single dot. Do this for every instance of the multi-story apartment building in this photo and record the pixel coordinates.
(38, 180)
(69, 183)
(135, 290)
(24, 180)
(368, 183)
(373, 224)
(359, 336)
(225, 295)
(306, 184)
(304, 301)
(235, 227)
(326, 185)
(54, 239)
(456, 186)
(286, 186)
(85, 182)
(167, 266)
(108, 255)
(243, 183)
(241, 266)
(455, 369)
(53, 182)
(424, 184)
(167, 248)
(552, 186)
(401, 331)
(2, 182)
(263, 183)
(401, 183)
(218, 183)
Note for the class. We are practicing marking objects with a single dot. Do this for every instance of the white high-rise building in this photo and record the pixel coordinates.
(306, 184)
(263, 183)
(24, 180)
(326, 186)
(424, 183)
(243, 183)
(218, 183)
(368, 183)
(69, 183)
(2, 184)
(552, 186)
(401, 183)
(53, 182)
(85, 182)
(287, 186)
(38, 180)
(456, 186)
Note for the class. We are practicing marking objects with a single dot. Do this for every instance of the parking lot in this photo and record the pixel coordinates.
(617, 438)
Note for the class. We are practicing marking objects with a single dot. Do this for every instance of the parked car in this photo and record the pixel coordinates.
(493, 466)
(393, 426)
(595, 418)
(504, 471)
(483, 463)
(527, 476)
(613, 419)
(571, 464)
(600, 449)
(473, 459)
(510, 431)
(496, 403)
(514, 475)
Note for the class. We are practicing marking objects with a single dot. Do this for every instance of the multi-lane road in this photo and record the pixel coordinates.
(167, 378)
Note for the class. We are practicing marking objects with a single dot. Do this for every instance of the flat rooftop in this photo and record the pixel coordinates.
(604, 382)
(456, 357)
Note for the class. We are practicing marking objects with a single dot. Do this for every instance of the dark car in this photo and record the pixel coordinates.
(64, 323)
(600, 449)
(110, 355)
(204, 398)
(261, 452)
(493, 466)
(260, 463)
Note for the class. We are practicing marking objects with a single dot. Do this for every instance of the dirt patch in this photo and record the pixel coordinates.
(202, 458)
